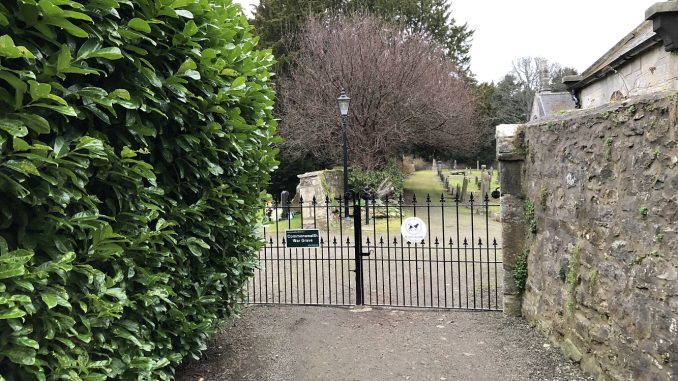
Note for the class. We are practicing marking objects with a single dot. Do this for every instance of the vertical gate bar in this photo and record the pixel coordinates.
(357, 225)
(284, 262)
(377, 278)
(496, 285)
(298, 259)
(369, 269)
(487, 247)
(466, 270)
(395, 266)
(402, 247)
(473, 252)
(341, 243)
(430, 258)
(456, 205)
(409, 268)
(416, 263)
(451, 271)
(265, 267)
(329, 252)
(388, 251)
(480, 250)
(277, 248)
(442, 223)
(315, 253)
(383, 274)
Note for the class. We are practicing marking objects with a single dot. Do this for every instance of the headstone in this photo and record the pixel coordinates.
(485, 185)
(455, 164)
(434, 166)
(464, 189)
(478, 165)
(483, 167)
(285, 203)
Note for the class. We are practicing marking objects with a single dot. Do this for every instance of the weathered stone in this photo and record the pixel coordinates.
(510, 143)
(614, 309)
(570, 350)
(512, 305)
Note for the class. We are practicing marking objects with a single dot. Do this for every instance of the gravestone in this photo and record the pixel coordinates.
(464, 190)
(285, 203)
(434, 166)
(478, 165)
(484, 190)
(455, 164)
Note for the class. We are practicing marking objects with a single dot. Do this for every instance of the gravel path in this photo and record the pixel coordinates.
(330, 343)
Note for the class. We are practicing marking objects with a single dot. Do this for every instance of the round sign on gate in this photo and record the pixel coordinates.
(413, 229)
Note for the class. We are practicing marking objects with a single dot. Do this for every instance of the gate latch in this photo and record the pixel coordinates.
(366, 254)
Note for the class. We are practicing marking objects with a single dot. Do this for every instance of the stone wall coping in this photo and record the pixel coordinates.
(316, 173)
(610, 107)
(507, 130)
(663, 7)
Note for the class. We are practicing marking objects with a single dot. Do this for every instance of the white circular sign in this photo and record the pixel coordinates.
(413, 229)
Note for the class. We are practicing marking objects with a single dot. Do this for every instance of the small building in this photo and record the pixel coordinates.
(645, 61)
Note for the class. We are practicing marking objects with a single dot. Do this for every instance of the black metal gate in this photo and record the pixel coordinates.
(363, 258)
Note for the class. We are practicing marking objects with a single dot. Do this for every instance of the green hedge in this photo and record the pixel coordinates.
(135, 140)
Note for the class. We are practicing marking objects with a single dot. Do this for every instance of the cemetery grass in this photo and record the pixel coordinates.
(420, 184)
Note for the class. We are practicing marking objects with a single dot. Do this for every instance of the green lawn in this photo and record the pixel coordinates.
(439, 217)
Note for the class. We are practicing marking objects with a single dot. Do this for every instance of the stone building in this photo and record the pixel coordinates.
(643, 62)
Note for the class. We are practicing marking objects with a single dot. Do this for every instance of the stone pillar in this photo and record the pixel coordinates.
(511, 156)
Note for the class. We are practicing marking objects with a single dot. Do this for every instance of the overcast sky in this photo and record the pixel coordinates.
(574, 33)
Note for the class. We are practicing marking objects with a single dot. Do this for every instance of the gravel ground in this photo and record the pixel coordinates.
(330, 343)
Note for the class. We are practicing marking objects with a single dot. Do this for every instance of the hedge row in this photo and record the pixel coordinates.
(135, 140)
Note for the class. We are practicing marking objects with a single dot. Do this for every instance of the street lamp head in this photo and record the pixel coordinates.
(343, 101)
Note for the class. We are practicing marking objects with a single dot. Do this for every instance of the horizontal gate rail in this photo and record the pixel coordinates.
(457, 266)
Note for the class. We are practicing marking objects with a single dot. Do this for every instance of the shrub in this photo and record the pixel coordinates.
(134, 143)
(360, 179)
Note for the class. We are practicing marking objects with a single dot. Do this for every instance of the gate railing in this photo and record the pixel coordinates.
(364, 259)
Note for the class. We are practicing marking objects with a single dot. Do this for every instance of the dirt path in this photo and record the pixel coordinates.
(331, 343)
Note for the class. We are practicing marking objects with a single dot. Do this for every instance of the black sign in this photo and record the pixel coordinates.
(303, 238)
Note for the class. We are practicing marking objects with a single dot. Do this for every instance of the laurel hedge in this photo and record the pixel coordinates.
(135, 140)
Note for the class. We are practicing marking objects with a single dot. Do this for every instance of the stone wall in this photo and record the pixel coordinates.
(321, 185)
(653, 71)
(603, 247)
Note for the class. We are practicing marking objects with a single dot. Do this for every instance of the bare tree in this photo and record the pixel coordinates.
(404, 93)
(535, 74)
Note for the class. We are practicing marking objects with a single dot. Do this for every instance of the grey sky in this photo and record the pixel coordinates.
(573, 33)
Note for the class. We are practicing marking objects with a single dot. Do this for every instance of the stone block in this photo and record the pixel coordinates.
(570, 350)
(510, 144)
(512, 305)
(511, 178)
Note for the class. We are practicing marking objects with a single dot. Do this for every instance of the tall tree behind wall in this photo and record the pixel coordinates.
(404, 93)
(278, 22)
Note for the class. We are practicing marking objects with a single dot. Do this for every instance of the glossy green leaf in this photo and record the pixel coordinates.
(108, 53)
(14, 127)
(35, 122)
(190, 28)
(139, 25)
(49, 299)
(11, 313)
(39, 90)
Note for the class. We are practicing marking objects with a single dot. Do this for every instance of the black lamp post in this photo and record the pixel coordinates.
(343, 101)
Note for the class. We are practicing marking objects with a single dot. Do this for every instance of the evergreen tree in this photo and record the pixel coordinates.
(277, 22)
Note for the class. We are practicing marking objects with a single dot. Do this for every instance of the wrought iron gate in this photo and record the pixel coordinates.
(363, 259)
